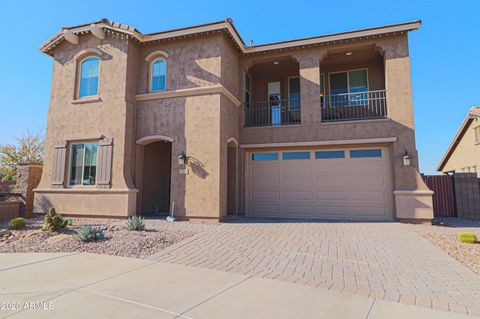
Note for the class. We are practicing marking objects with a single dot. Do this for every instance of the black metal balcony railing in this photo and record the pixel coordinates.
(354, 106)
(271, 113)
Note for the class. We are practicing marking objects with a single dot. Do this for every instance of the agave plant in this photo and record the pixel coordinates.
(135, 223)
(89, 233)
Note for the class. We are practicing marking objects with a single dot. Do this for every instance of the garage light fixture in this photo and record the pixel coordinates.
(182, 158)
(406, 159)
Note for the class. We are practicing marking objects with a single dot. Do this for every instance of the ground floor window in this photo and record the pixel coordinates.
(83, 164)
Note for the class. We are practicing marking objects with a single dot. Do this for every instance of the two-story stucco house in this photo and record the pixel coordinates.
(196, 122)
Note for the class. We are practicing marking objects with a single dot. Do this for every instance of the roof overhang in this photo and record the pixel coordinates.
(472, 114)
(96, 28)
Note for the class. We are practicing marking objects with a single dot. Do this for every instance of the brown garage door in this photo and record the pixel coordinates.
(352, 184)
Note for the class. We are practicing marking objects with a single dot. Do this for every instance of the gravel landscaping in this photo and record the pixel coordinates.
(118, 240)
(469, 254)
(443, 233)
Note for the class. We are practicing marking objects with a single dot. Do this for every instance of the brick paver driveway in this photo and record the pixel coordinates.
(383, 260)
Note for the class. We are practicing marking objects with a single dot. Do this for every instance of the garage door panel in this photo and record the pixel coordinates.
(298, 195)
(267, 210)
(265, 176)
(298, 209)
(368, 196)
(370, 211)
(331, 195)
(332, 210)
(265, 195)
(372, 181)
(342, 188)
(331, 181)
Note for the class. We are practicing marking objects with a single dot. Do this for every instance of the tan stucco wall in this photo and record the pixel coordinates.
(110, 117)
(466, 153)
(191, 63)
(194, 124)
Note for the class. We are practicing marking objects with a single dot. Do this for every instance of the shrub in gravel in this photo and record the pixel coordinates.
(17, 223)
(467, 237)
(135, 223)
(69, 222)
(89, 233)
(54, 221)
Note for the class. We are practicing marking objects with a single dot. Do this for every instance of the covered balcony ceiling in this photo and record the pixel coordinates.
(352, 56)
(275, 67)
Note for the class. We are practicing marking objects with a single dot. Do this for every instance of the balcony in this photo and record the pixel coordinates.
(354, 106)
(272, 113)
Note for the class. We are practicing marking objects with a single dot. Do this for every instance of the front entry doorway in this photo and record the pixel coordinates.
(156, 177)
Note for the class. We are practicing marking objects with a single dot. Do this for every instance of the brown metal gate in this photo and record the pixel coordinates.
(443, 196)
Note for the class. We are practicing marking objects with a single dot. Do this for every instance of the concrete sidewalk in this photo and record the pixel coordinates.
(84, 285)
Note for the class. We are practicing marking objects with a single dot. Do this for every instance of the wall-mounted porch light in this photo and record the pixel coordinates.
(406, 159)
(349, 53)
(182, 158)
(276, 62)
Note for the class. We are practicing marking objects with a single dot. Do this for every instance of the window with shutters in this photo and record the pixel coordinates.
(83, 164)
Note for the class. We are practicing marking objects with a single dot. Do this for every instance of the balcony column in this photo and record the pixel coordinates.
(413, 199)
(309, 71)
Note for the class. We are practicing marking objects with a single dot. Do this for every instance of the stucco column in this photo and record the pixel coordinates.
(413, 199)
(309, 71)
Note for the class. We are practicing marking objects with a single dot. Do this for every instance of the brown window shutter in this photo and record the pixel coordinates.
(104, 163)
(58, 173)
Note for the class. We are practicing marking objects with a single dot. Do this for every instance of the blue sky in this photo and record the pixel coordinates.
(445, 52)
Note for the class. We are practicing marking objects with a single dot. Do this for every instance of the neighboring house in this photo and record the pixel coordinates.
(195, 121)
(463, 153)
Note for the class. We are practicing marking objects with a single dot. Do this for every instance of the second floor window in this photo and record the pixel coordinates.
(158, 75)
(89, 77)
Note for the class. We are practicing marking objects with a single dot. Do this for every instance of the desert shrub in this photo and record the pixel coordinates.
(135, 223)
(467, 237)
(17, 223)
(54, 221)
(69, 222)
(89, 233)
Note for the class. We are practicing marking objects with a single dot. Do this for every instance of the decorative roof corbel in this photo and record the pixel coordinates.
(97, 32)
(70, 37)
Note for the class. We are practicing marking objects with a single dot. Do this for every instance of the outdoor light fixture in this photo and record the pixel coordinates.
(348, 53)
(276, 63)
(406, 159)
(182, 158)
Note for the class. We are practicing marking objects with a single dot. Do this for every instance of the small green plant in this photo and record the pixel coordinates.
(54, 221)
(17, 223)
(135, 223)
(467, 237)
(89, 233)
(69, 222)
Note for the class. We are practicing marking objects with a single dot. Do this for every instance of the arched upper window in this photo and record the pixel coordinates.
(88, 82)
(158, 75)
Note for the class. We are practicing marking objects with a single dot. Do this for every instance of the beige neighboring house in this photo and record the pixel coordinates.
(463, 153)
(196, 122)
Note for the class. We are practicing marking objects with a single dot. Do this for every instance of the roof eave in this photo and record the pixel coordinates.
(228, 25)
(389, 29)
